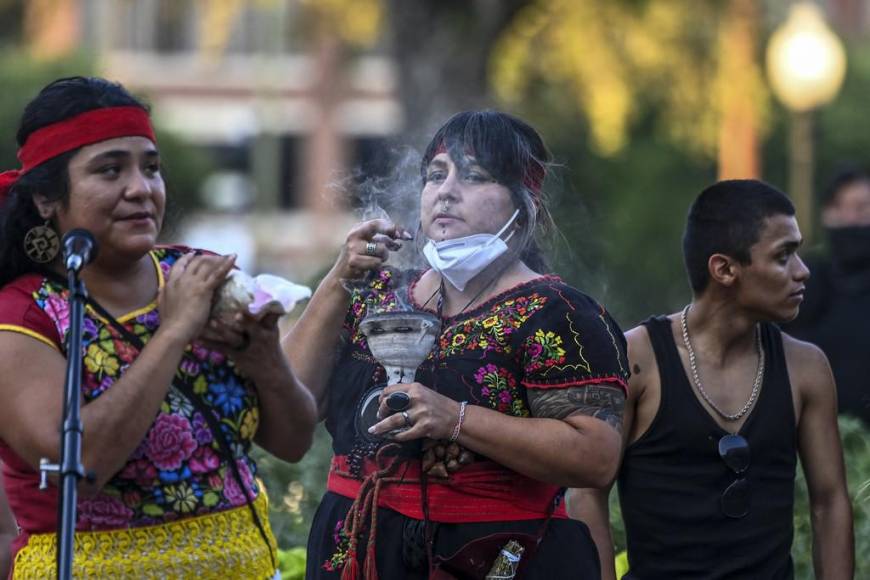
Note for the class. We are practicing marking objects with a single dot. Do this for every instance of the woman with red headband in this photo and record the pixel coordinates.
(168, 420)
(520, 397)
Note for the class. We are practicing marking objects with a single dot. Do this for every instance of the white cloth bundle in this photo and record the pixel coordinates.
(261, 294)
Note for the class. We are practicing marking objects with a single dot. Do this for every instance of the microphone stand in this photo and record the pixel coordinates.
(70, 469)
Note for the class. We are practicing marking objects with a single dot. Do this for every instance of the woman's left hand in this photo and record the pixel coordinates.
(428, 414)
(251, 341)
(288, 412)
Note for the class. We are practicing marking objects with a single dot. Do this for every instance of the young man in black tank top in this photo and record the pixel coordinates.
(720, 404)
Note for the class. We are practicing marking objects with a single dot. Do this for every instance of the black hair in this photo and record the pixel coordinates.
(515, 156)
(727, 218)
(60, 100)
(844, 178)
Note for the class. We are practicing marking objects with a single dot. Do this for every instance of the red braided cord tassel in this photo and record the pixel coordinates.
(352, 524)
(351, 568)
(370, 566)
(366, 504)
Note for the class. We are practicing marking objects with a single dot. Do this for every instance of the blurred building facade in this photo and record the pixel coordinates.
(260, 85)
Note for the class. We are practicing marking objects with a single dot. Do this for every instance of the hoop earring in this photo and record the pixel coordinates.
(41, 243)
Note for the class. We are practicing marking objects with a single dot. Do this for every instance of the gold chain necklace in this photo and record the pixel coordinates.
(756, 385)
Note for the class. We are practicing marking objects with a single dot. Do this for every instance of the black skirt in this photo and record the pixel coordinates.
(566, 551)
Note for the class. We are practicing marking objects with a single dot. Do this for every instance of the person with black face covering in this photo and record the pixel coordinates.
(838, 292)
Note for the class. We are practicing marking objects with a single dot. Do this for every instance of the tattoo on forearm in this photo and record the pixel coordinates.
(601, 401)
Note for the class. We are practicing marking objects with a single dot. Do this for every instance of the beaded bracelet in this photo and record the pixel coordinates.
(455, 435)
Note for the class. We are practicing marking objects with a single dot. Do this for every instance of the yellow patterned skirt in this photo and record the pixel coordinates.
(223, 545)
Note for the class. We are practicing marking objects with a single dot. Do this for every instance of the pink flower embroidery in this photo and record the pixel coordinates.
(203, 460)
(141, 470)
(103, 512)
(170, 441)
(58, 309)
(234, 494)
(215, 481)
(481, 373)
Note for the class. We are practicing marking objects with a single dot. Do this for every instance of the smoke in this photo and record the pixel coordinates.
(392, 194)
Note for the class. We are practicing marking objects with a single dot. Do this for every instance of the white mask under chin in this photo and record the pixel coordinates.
(461, 259)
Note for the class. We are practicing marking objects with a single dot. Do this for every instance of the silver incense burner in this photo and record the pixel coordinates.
(400, 341)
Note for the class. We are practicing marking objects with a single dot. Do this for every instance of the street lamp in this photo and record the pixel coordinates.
(806, 65)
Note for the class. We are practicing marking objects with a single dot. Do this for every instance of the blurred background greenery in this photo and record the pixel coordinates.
(275, 114)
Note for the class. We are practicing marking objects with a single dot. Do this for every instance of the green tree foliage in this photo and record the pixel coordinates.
(292, 563)
(23, 77)
(295, 489)
(856, 448)
(611, 58)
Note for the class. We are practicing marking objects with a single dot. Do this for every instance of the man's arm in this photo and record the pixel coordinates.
(590, 505)
(822, 459)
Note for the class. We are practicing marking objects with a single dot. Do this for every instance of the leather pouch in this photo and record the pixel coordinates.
(475, 559)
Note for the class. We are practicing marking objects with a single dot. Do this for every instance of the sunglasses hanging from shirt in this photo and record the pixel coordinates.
(734, 451)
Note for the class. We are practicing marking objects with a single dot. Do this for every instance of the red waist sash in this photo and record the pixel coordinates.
(480, 492)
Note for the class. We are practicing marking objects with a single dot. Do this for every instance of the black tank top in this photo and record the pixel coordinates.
(672, 478)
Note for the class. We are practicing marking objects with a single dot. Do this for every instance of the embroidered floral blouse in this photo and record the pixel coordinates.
(178, 469)
(542, 334)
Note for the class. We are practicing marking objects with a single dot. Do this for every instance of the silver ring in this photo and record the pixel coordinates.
(371, 249)
(408, 423)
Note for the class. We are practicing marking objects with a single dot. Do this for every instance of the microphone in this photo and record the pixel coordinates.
(79, 249)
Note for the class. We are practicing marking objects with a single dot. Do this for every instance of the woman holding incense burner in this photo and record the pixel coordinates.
(525, 383)
(170, 402)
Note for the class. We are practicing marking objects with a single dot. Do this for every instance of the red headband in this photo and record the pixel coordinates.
(533, 179)
(533, 176)
(70, 134)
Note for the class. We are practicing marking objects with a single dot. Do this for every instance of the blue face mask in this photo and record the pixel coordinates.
(461, 259)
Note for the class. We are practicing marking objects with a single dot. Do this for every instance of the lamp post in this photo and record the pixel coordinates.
(806, 65)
